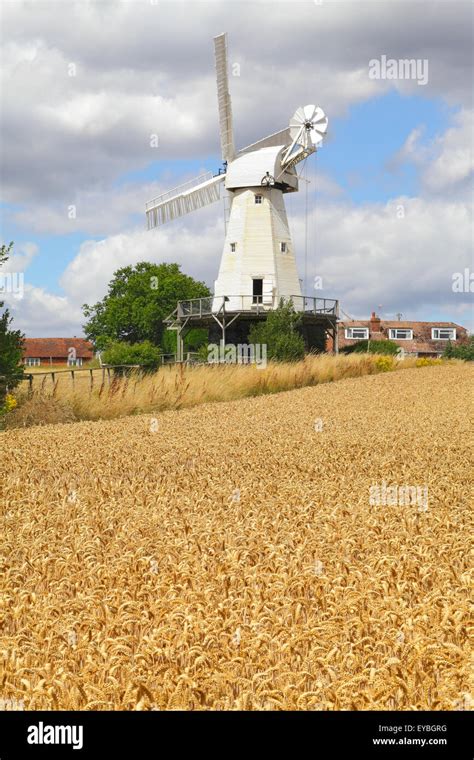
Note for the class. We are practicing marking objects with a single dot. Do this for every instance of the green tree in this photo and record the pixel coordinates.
(11, 344)
(139, 298)
(145, 354)
(280, 333)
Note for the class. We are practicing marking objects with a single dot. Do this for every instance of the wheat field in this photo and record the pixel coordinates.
(229, 556)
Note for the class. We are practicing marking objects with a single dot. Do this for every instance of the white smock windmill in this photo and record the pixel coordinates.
(258, 265)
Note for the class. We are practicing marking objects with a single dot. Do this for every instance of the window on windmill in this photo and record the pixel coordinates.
(283, 247)
(258, 198)
(233, 247)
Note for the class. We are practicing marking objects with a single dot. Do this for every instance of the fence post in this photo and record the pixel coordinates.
(92, 378)
(72, 376)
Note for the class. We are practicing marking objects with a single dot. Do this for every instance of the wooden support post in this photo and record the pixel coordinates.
(179, 346)
(92, 378)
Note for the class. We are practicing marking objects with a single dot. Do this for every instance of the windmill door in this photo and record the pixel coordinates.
(257, 290)
(267, 291)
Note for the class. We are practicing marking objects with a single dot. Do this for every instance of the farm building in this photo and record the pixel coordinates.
(71, 351)
(423, 339)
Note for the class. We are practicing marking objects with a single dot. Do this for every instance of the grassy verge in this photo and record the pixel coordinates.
(178, 387)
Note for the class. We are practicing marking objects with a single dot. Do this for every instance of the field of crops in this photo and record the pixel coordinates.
(256, 554)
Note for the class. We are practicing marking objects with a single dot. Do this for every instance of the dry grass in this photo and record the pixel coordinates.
(175, 387)
(232, 560)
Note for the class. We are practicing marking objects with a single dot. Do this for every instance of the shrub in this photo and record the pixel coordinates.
(374, 347)
(280, 334)
(426, 361)
(464, 351)
(385, 363)
(145, 354)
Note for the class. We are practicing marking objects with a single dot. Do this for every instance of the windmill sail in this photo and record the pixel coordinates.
(223, 98)
(185, 198)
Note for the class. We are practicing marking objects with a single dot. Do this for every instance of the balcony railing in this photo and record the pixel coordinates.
(200, 307)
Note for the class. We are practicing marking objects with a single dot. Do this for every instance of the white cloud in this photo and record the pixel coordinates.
(447, 161)
(40, 313)
(143, 68)
(86, 277)
(20, 257)
(453, 165)
(401, 254)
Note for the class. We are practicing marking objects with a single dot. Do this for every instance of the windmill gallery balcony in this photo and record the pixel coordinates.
(228, 319)
(200, 307)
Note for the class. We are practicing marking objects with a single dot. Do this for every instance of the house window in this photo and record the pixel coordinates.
(443, 333)
(31, 362)
(74, 362)
(357, 333)
(258, 198)
(233, 246)
(283, 247)
(400, 333)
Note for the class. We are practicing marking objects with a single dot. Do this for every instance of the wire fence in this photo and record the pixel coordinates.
(108, 371)
(105, 370)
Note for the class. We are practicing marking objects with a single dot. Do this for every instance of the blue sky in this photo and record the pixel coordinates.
(367, 140)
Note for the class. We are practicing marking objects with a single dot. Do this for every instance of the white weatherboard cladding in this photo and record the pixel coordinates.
(285, 264)
(257, 229)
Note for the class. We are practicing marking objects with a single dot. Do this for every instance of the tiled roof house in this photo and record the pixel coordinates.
(424, 339)
(71, 351)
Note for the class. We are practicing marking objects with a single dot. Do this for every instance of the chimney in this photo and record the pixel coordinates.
(374, 323)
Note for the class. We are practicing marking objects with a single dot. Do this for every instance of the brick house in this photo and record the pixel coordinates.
(423, 339)
(71, 351)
